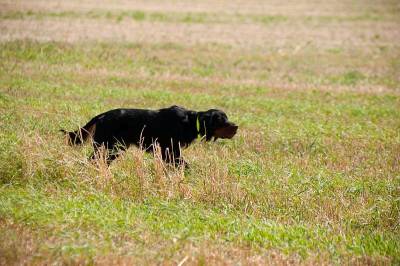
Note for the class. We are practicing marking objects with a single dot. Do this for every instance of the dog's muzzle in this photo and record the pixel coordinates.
(227, 131)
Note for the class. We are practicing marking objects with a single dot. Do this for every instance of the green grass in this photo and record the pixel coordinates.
(180, 220)
(312, 176)
(310, 171)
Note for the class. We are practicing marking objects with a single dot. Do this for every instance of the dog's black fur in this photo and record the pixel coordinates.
(172, 128)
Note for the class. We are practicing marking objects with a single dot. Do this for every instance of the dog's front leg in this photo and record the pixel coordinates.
(181, 162)
(173, 156)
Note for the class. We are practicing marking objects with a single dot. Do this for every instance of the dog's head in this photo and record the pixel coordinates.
(214, 123)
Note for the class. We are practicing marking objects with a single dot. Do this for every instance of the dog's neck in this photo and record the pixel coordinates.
(195, 117)
(198, 127)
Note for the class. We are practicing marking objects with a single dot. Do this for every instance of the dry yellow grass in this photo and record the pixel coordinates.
(289, 37)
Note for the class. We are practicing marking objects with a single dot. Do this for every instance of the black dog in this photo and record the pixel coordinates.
(172, 128)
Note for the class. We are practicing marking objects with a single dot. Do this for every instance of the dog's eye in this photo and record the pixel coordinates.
(218, 120)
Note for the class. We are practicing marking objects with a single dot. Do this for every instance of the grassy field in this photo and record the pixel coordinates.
(313, 176)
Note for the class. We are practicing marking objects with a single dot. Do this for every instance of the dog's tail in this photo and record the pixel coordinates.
(82, 134)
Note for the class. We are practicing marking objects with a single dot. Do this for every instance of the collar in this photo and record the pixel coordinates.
(198, 127)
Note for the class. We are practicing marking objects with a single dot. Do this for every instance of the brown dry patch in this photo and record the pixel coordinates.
(354, 34)
(273, 7)
(17, 245)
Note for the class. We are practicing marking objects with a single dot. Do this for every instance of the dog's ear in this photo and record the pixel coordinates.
(185, 119)
(206, 128)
